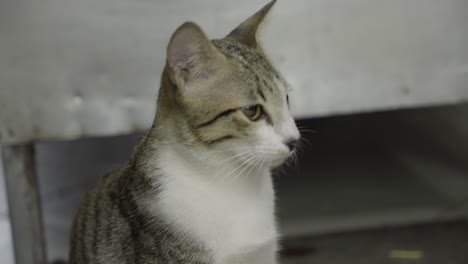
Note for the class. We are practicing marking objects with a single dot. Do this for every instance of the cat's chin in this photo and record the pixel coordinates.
(277, 162)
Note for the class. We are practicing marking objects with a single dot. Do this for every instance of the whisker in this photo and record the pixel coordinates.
(231, 149)
(232, 157)
(233, 164)
(255, 163)
(260, 166)
(230, 165)
(245, 167)
(307, 131)
(239, 166)
(304, 140)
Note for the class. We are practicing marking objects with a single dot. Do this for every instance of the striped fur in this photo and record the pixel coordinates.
(197, 188)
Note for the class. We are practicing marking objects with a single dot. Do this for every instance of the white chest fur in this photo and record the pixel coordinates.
(231, 217)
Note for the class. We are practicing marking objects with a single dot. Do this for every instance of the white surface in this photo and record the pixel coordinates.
(71, 68)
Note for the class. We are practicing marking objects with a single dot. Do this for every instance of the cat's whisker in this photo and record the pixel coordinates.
(291, 160)
(307, 131)
(243, 166)
(299, 149)
(247, 162)
(287, 163)
(252, 165)
(304, 140)
(295, 159)
(297, 155)
(248, 165)
(231, 149)
(244, 155)
(235, 163)
(260, 166)
(216, 176)
(232, 157)
(224, 174)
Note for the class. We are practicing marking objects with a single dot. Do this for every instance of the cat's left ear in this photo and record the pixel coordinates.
(246, 32)
(191, 55)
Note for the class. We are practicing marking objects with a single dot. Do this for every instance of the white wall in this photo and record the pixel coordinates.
(92, 67)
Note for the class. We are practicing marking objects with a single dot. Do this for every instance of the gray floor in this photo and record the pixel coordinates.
(425, 244)
(357, 173)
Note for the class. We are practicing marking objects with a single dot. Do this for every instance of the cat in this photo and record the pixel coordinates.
(198, 186)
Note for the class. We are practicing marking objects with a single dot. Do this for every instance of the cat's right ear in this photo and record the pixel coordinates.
(191, 55)
(246, 32)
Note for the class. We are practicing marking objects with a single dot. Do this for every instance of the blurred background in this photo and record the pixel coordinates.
(380, 88)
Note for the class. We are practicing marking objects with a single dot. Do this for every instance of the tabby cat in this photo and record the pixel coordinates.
(198, 187)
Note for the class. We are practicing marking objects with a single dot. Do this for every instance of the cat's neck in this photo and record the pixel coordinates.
(198, 201)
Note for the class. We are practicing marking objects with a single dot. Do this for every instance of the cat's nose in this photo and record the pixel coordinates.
(292, 144)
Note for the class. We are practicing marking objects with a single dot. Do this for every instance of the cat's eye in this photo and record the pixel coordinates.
(253, 112)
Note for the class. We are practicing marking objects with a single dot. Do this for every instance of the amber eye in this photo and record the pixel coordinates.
(253, 112)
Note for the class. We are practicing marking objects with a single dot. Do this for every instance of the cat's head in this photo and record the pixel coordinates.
(223, 101)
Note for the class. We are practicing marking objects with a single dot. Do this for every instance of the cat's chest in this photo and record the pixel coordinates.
(227, 220)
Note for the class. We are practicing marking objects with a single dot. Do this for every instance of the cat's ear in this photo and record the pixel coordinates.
(191, 55)
(246, 32)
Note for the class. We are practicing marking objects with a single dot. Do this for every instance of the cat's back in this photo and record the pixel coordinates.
(100, 229)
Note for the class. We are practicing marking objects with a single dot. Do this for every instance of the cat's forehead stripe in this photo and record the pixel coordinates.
(259, 88)
(266, 83)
